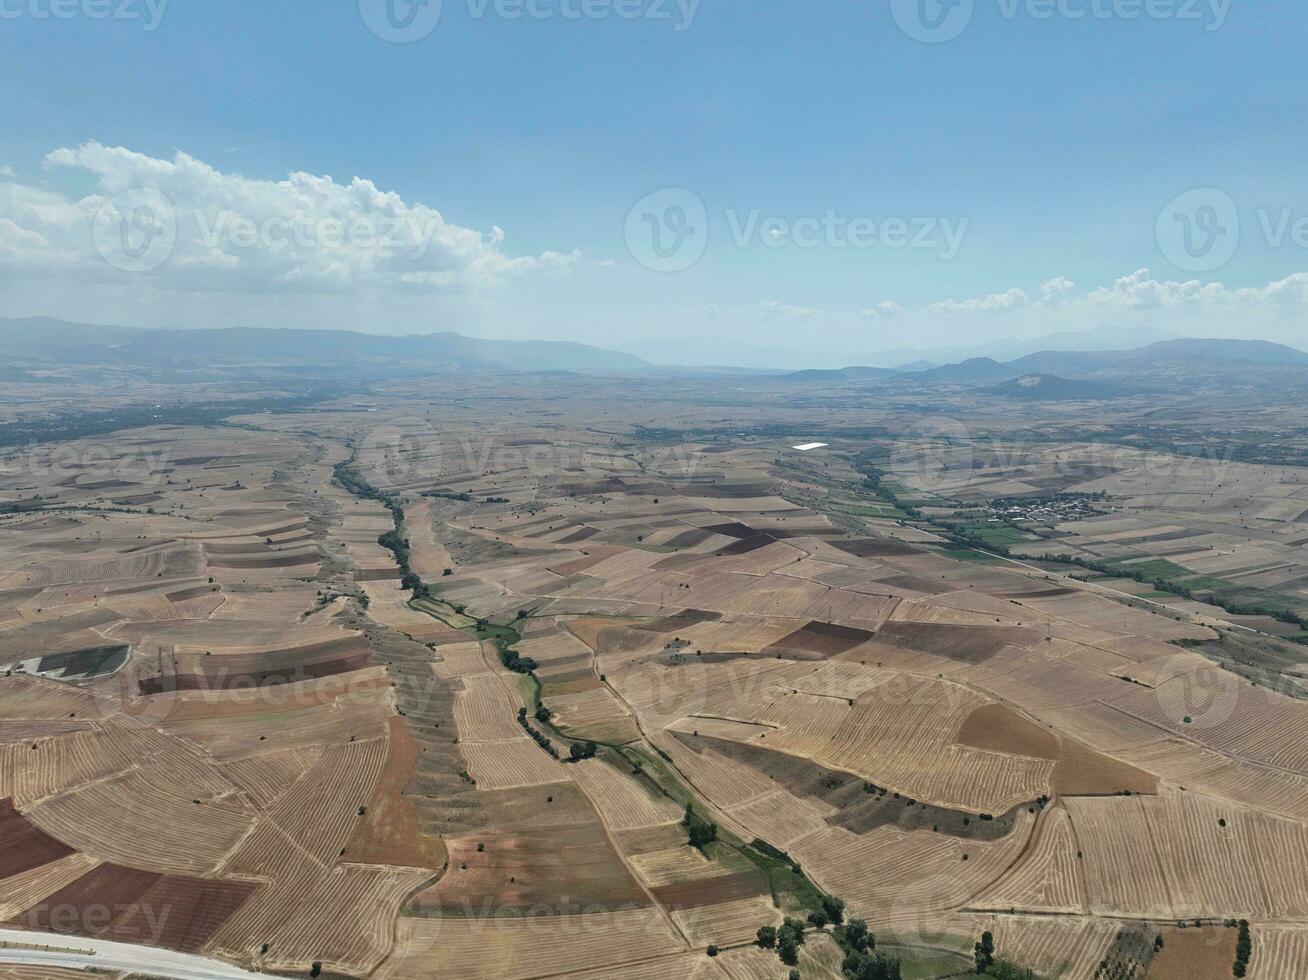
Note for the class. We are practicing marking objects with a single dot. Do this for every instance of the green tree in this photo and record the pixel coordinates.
(788, 950)
(856, 935)
(834, 909)
(984, 952)
(767, 937)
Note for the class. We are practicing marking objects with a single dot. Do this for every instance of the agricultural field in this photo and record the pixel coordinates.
(426, 682)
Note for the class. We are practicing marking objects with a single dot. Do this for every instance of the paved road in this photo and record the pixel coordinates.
(77, 953)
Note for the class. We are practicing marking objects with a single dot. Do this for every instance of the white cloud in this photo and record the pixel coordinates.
(886, 310)
(233, 234)
(1053, 290)
(1012, 299)
(7, 171)
(776, 308)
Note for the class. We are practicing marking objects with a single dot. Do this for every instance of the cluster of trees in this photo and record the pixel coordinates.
(989, 965)
(536, 734)
(759, 844)
(700, 831)
(393, 540)
(580, 751)
(860, 963)
(515, 661)
(1243, 950)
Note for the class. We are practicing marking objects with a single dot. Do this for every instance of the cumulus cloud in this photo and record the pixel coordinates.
(1139, 291)
(886, 310)
(1012, 299)
(188, 226)
(1053, 290)
(775, 308)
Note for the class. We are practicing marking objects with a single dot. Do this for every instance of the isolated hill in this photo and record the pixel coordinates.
(976, 369)
(1050, 387)
(1008, 349)
(299, 351)
(1208, 354)
(843, 374)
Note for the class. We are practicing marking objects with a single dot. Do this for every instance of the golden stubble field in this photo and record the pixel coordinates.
(201, 634)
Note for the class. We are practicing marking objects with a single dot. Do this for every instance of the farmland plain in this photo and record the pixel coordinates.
(580, 686)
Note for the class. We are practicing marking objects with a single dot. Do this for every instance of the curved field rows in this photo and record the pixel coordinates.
(266, 777)
(1047, 878)
(727, 922)
(888, 873)
(519, 762)
(486, 710)
(317, 815)
(621, 801)
(58, 764)
(138, 821)
(1278, 953)
(780, 818)
(343, 918)
(22, 891)
(1066, 948)
(722, 780)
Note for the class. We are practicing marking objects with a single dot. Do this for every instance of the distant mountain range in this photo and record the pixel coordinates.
(1008, 349)
(1063, 375)
(199, 354)
(42, 349)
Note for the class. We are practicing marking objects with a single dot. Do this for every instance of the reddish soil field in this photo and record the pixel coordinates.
(1000, 729)
(389, 833)
(113, 902)
(181, 913)
(876, 548)
(969, 643)
(1194, 954)
(821, 639)
(1081, 771)
(711, 891)
(536, 854)
(23, 845)
(263, 669)
(377, 574)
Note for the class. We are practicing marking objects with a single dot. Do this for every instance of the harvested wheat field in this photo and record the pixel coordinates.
(670, 691)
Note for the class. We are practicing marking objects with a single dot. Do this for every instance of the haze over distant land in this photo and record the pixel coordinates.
(44, 350)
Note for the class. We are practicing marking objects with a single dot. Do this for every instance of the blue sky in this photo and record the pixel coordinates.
(1035, 149)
